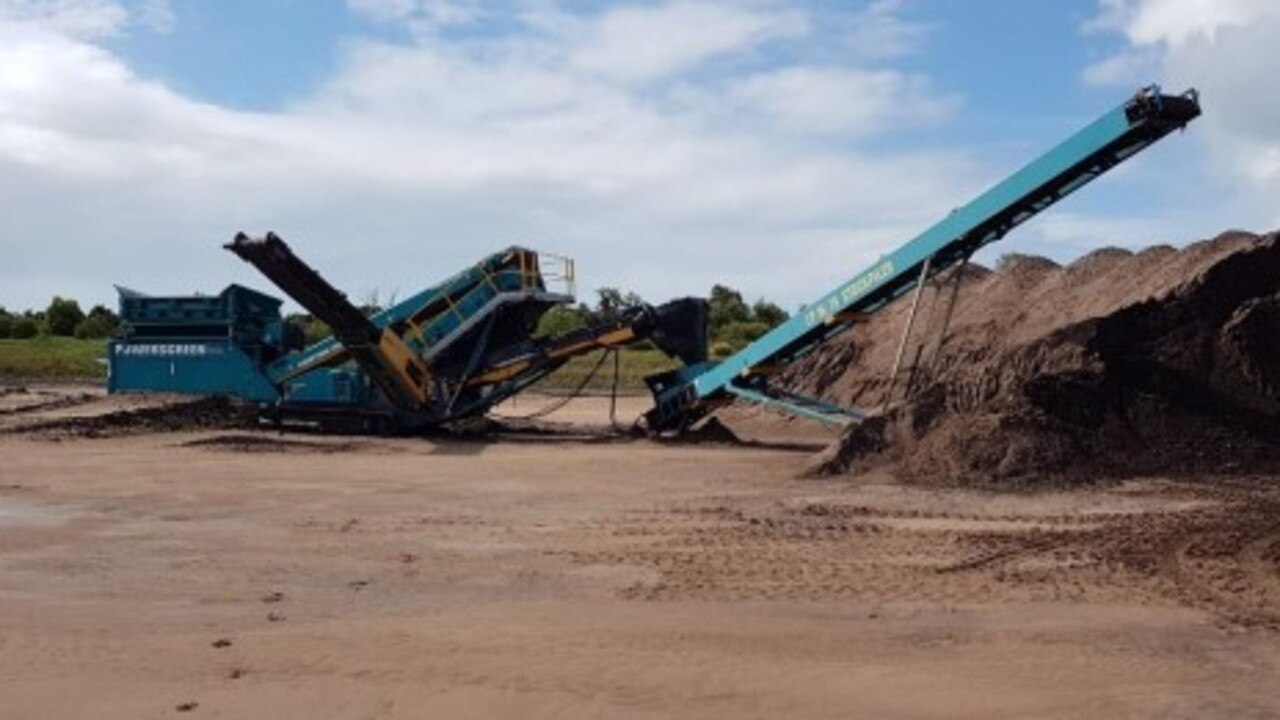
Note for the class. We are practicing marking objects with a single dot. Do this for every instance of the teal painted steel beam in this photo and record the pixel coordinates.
(822, 412)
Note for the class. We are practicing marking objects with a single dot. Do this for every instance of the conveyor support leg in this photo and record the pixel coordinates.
(906, 331)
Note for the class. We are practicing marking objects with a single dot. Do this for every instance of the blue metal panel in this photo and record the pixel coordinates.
(193, 368)
(825, 413)
(328, 387)
(464, 309)
(196, 344)
(461, 281)
(235, 305)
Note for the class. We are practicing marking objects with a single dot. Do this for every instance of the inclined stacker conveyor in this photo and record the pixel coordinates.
(686, 394)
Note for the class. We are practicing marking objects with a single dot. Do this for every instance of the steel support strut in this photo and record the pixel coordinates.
(951, 287)
(958, 278)
(906, 331)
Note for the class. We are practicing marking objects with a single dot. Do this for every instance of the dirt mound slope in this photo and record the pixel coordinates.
(1162, 361)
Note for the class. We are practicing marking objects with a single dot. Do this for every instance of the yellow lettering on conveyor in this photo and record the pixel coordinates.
(838, 300)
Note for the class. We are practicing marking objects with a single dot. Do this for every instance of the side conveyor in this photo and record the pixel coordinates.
(392, 366)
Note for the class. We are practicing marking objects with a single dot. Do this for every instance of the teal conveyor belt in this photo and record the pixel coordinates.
(684, 395)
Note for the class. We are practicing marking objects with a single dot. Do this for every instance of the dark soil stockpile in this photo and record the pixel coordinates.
(36, 400)
(244, 443)
(1158, 362)
(206, 413)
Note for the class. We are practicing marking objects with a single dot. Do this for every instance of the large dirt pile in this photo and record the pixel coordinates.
(1158, 362)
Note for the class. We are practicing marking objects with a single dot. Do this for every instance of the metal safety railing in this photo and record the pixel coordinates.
(558, 274)
(532, 272)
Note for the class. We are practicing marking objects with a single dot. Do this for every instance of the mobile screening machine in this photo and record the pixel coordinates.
(446, 354)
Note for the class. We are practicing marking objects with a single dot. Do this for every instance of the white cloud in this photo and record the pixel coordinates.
(76, 18)
(157, 15)
(1176, 22)
(645, 43)
(422, 16)
(1131, 69)
(414, 160)
(844, 101)
(1226, 49)
(878, 32)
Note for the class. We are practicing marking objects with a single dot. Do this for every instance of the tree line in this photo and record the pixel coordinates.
(732, 321)
(62, 318)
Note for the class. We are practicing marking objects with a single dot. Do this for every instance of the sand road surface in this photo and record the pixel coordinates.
(234, 574)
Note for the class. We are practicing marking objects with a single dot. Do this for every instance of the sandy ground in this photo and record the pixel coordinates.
(250, 575)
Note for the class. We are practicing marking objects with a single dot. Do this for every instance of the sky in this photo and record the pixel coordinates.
(777, 147)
